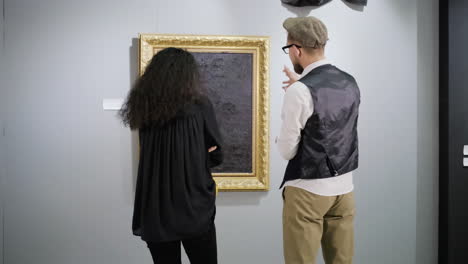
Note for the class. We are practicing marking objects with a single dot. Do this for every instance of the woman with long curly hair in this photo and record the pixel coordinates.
(179, 143)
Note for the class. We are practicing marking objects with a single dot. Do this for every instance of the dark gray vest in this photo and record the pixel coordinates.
(329, 141)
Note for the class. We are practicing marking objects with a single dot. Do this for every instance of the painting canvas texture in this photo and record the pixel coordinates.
(227, 78)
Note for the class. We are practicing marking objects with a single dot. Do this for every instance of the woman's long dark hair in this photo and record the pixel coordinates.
(170, 82)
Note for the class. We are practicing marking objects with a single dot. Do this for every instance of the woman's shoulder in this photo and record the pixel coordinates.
(196, 108)
(201, 104)
(203, 101)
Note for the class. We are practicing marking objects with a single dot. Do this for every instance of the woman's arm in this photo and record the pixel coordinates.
(212, 136)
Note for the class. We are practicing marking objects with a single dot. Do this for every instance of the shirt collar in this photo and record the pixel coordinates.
(312, 66)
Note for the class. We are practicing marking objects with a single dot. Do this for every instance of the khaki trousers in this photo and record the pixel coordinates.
(311, 221)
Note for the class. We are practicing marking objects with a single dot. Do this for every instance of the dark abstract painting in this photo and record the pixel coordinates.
(228, 80)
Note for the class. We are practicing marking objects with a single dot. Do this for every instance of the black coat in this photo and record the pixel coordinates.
(175, 192)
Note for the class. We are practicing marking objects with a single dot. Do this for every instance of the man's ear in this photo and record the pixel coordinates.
(298, 52)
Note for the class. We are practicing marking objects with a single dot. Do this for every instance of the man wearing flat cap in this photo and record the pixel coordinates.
(319, 138)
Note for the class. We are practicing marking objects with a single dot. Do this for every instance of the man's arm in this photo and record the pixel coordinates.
(297, 108)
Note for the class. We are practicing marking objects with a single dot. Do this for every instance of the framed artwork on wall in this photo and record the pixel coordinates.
(234, 73)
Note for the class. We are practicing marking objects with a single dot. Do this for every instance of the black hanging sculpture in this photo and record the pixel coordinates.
(319, 2)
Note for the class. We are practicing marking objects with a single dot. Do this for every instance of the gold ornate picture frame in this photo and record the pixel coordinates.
(236, 71)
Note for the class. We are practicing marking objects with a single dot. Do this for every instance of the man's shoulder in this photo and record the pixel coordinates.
(298, 88)
(327, 72)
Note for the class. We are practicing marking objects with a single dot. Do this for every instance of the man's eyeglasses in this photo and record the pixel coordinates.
(286, 48)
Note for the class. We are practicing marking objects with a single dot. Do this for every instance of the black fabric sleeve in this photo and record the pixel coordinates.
(357, 2)
(319, 2)
(305, 2)
(212, 135)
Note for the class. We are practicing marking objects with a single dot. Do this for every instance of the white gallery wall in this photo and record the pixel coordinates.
(427, 132)
(2, 123)
(70, 166)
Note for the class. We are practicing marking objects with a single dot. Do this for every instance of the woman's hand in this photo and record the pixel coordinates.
(292, 76)
(212, 149)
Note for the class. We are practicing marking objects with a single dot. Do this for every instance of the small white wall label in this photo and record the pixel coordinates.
(112, 104)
